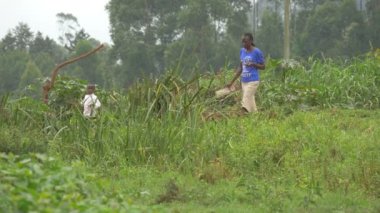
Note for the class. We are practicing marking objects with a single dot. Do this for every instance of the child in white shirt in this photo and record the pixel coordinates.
(90, 102)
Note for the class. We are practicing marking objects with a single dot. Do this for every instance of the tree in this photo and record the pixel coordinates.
(327, 28)
(270, 34)
(23, 36)
(41, 45)
(197, 40)
(324, 27)
(30, 75)
(13, 64)
(8, 42)
(319, 36)
(287, 30)
(150, 37)
(141, 31)
(18, 38)
(45, 62)
(71, 31)
(211, 34)
(373, 7)
(228, 46)
(355, 40)
(86, 69)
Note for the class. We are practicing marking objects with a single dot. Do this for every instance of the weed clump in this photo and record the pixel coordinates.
(172, 193)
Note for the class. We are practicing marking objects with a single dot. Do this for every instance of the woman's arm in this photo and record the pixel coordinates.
(260, 61)
(259, 66)
(237, 75)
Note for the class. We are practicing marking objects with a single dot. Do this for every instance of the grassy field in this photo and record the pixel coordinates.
(169, 146)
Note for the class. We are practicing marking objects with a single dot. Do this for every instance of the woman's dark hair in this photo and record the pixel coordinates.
(250, 36)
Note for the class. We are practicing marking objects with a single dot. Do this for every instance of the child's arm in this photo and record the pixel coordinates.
(83, 101)
(97, 103)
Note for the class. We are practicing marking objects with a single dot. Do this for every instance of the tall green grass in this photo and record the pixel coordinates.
(316, 134)
(323, 83)
(39, 183)
(158, 121)
(307, 161)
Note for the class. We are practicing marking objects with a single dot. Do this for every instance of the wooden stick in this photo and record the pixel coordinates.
(49, 84)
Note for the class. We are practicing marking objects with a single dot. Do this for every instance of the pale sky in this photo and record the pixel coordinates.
(40, 15)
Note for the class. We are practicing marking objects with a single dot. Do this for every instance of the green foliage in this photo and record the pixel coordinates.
(39, 183)
(30, 76)
(302, 152)
(41, 45)
(313, 161)
(150, 38)
(193, 36)
(23, 36)
(21, 123)
(45, 63)
(270, 35)
(13, 65)
(46, 53)
(71, 31)
(86, 69)
(373, 20)
(8, 43)
(16, 141)
(327, 31)
(67, 93)
(322, 84)
(167, 143)
(19, 48)
(319, 25)
(19, 38)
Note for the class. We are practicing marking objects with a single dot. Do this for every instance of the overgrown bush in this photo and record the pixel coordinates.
(39, 183)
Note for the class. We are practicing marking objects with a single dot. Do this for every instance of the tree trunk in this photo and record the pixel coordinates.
(287, 30)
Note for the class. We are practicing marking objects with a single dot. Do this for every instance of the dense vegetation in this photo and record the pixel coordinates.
(162, 142)
(193, 35)
(169, 145)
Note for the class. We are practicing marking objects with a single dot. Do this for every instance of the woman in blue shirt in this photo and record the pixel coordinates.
(251, 61)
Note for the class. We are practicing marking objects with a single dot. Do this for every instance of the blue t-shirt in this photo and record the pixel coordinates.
(255, 56)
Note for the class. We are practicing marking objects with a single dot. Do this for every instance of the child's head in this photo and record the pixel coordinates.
(90, 88)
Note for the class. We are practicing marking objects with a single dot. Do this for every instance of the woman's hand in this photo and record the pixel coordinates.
(237, 75)
(230, 86)
(250, 64)
(259, 66)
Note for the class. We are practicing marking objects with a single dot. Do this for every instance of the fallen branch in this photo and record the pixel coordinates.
(49, 84)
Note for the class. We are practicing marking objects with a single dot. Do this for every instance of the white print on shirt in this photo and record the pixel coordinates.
(246, 61)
